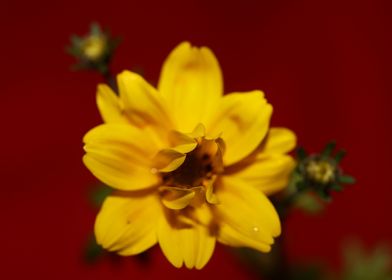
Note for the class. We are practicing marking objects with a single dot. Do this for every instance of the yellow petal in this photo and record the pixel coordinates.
(270, 169)
(128, 224)
(210, 195)
(279, 140)
(176, 198)
(120, 156)
(243, 121)
(198, 132)
(143, 105)
(191, 82)
(168, 160)
(182, 143)
(246, 217)
(191, 245)
(109, 105)
(269, 174)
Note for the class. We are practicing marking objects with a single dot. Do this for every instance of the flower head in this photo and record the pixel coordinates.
(93, 47)
(321, 172)
(191, 167)
(93, 51)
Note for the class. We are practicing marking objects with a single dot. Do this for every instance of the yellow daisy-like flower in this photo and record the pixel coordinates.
(190, 166)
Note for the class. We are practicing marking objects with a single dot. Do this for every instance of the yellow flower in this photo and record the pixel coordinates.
(190, 166)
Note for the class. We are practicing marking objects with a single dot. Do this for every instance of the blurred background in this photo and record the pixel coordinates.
(324, 65)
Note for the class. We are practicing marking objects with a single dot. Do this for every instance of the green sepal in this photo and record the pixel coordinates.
(336, 187)
(76, 40)
(346, 179)
(328, 150)
(95, 29)
(73, 51)
(339, 156)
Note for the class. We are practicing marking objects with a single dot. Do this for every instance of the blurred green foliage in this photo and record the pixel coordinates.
(367, 265)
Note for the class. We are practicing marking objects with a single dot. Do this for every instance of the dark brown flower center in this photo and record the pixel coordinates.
(200, 165)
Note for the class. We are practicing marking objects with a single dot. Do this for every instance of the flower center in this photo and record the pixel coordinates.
(200, 165)
(93, 47)
(321, 171)
(192, 183)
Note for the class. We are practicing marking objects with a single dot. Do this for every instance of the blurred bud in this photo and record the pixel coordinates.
(93, 48)
(320, 173)
(93, 51)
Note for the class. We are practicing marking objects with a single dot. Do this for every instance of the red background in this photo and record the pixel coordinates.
(324, 65)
